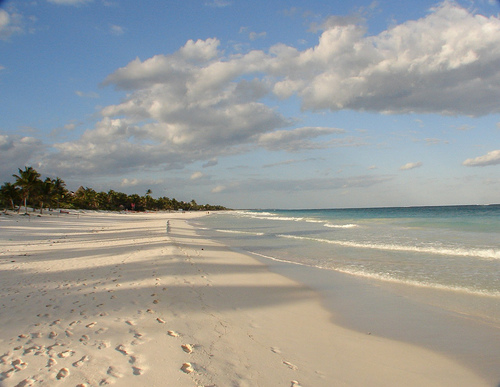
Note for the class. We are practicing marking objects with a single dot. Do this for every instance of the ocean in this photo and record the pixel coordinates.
(447, 256)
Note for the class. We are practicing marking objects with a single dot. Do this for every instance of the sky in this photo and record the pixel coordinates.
(256, 104)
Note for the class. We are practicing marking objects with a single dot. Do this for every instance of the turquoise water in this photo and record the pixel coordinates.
(452, 248)
(424, 275)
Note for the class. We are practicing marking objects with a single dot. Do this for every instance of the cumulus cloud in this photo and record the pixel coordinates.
(17, 152)
(183, 107)
(444, 63)
(491, 158)
(198, 103)
(409, 166)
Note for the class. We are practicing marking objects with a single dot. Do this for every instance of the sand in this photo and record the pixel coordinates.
(90, 299)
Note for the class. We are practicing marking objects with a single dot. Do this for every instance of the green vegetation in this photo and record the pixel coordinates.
(30, 191)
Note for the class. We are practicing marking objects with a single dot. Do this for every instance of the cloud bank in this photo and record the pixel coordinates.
(199, 103)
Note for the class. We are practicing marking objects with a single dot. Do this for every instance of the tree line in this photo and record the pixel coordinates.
(29, 190)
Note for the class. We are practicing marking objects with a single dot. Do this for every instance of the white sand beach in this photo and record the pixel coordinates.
(96, 299)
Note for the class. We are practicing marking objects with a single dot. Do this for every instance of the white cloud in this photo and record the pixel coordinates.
(116, 30)
(409, 166)
(491, 158)
(11, 23)
(183, 107)
(196, 175)
(197, 104)
(219, 188)
(129, 182)
(444, 63)
(17, 152)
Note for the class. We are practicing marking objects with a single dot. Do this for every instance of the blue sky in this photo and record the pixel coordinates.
(262, 104)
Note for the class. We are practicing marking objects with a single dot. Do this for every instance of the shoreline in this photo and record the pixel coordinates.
(370, 307)
(115, 298)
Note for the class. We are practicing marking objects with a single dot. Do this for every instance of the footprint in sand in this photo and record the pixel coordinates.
(7, 374)
(172, 333)
(122, 349)
(290, 365)
(295, 384)
(65, 354)
(188, 348)
(26, 382)
(187, 368)
(114, 372)
(84, 339)
(137, 371)
(19, 365)
(80, 362)
(62, 373)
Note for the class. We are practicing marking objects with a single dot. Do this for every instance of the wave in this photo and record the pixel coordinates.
(421, 284)
(481, 253)
(271, 216)
(389, 278)
(350, 225)
(240, 232)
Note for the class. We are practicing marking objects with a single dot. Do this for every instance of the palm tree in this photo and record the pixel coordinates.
(147, 199)
(10, 192)
(59, 190)
(27, 181)
(45, 193)
(86, 198)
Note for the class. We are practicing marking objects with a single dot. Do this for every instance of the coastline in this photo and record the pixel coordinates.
(114, 298)
(405, 315)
